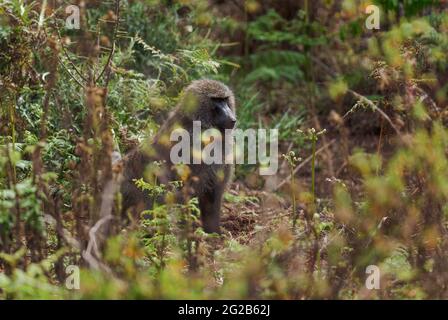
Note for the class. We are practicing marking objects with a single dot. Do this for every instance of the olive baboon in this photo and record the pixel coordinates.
(210, 102)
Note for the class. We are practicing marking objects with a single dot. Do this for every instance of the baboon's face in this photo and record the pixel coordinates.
(212, 103)
(223, 115)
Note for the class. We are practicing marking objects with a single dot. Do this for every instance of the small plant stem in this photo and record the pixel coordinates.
(313, 169)
(162, 252)
(294, 206)
(380, 140)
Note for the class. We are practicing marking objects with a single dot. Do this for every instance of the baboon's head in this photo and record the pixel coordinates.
(210, 102)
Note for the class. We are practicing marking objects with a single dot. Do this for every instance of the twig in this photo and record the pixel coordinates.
(92, 245)
(112, 51)
(361, 98)
(375, 108)
(302, 164)
(70, 74)
(68, 58)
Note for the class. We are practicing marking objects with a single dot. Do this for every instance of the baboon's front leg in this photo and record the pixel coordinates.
(210, 206)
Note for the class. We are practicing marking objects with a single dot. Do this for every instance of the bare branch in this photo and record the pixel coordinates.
(93, 245)
(112, 51)
(375, 108)
(361, 98)
(302, 164)
(70, 74)
(67, 56)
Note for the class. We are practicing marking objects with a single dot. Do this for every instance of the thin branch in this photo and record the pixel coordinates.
(302, 164)
(103, 223)
(361, 98)
(68, 56)
(70, 74)
(93, 245)
(375, 108)
(112, 52)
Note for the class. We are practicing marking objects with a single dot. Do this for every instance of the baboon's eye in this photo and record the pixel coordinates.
(219, 99)
(219, 103)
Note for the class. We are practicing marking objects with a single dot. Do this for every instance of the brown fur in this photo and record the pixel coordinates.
(207, 182)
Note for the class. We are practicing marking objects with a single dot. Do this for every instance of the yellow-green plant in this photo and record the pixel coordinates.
(292, 160)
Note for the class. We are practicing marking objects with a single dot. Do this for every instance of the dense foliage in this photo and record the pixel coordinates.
(362, 128)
